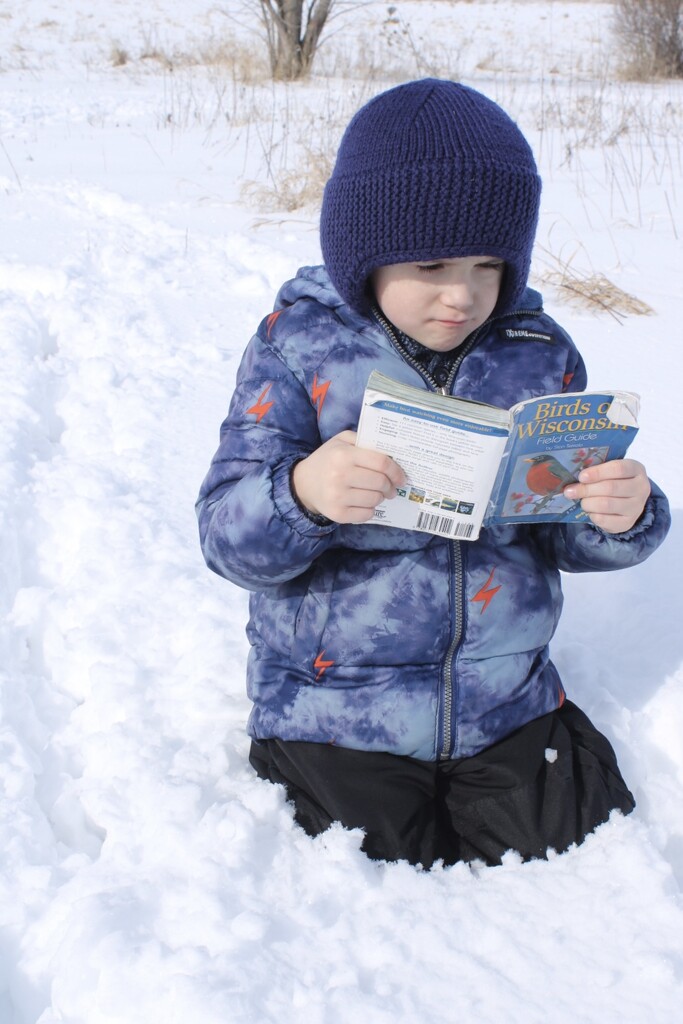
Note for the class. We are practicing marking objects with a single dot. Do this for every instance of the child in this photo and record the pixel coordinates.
(401, 683)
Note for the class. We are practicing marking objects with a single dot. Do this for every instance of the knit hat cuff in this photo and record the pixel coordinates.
(437, 211)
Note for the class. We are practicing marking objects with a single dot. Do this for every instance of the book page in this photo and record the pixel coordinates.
(450, 463)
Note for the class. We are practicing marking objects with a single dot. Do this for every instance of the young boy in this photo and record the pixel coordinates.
(401, 683)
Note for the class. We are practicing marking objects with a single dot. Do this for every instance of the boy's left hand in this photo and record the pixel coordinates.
(613, 493)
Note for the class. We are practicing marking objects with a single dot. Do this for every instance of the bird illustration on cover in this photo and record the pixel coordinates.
(539, 480)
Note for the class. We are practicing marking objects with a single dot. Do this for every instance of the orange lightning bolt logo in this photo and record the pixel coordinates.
(270, 320)
(321, 665)
(319, 393)
(486, 593)
(260, 408)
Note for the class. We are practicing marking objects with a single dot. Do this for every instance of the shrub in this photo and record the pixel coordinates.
(650, 33)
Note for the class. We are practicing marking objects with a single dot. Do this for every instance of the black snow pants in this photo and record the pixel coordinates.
(547, 785)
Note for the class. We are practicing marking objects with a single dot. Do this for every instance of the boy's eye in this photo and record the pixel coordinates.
(430, 268)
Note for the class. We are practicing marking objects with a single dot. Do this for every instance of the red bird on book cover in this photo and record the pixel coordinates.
(547, 476)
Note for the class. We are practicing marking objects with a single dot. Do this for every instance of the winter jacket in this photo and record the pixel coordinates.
(368, 636)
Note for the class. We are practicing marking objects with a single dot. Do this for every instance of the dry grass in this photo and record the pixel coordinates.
(391, 53)
(293, 190)
(591, 290)
(298, 145)
(239, 60)
(118, 56)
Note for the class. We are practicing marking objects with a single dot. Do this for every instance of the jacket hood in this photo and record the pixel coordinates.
(309, 283)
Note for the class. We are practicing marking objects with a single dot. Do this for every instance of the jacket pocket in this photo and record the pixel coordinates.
(374, 609)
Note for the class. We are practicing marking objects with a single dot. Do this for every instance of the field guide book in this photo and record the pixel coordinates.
(469, 464)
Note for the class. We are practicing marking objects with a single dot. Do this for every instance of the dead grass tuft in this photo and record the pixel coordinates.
(293, 190)
(593, 291)
(118, 56)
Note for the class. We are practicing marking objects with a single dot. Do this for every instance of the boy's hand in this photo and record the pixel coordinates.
(343, 482)
(613, 493)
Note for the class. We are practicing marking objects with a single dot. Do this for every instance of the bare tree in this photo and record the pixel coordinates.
(293, 30)
(651, 35)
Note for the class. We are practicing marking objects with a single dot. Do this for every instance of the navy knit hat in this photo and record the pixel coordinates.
(430, 169)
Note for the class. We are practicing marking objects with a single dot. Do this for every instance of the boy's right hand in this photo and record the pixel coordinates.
(343, 482)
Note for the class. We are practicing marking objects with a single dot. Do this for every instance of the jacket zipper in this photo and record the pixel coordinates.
(457, 575)
(412, 361)
(448, 675)
(463, 351)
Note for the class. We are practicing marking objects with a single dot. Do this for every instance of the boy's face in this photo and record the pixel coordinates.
(439, 303)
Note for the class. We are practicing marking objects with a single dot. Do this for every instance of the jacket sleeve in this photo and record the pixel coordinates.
(251, 529)
(584, 547)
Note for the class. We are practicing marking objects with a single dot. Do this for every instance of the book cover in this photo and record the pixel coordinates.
(552, 439)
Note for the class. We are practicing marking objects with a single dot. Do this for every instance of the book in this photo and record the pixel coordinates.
(470, 465)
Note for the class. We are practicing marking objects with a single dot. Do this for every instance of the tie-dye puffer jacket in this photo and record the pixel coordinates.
(367, 636)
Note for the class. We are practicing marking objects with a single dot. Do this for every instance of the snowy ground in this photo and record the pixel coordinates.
(145, 875)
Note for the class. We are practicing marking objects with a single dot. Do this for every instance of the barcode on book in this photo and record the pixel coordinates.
(442, 524)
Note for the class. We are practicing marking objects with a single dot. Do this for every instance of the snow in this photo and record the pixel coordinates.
(146, 875)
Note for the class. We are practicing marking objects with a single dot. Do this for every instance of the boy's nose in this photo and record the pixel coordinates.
(458, 296)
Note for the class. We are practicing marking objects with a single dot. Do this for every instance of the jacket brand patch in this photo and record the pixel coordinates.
(523, 334)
